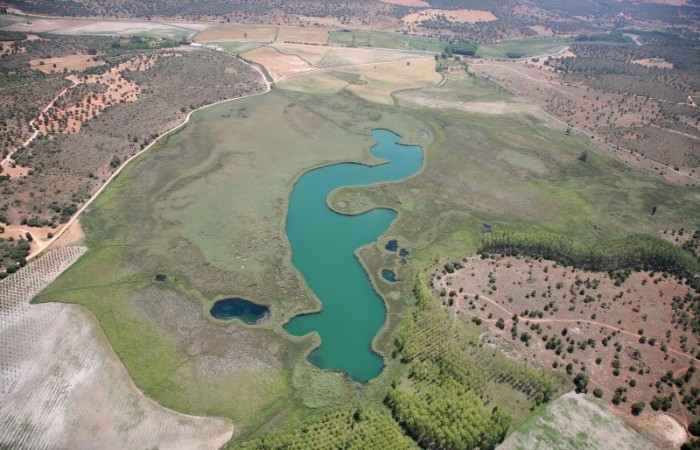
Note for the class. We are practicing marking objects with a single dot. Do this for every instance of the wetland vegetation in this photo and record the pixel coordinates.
(210, 210)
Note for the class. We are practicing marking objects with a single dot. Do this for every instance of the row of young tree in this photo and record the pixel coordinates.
(639, 252)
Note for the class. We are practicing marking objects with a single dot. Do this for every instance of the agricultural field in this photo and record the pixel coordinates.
(65, 342)
(575, 421)
(522, 48)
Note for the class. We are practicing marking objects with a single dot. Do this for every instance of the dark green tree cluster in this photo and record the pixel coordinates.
(350, 429)
(639, 252)
(460, 48)
(447, 415)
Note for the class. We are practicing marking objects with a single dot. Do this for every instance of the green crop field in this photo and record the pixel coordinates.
(522, 48)
(207, 208)
(358, 38)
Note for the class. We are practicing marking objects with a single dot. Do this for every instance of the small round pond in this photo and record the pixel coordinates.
(389, 275)
(239, 308)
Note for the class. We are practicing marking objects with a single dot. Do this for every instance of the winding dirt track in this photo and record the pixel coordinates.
(591, 322)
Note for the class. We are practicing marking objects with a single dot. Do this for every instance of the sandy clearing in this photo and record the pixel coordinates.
(303, 35)
(417, 3)
(72, 235)
(237, 32)
(77, 62)
(279, 65)
(666, 427)
(456, 16)
(15, 172)
(576, 421)
(654, 62)
(62, 385)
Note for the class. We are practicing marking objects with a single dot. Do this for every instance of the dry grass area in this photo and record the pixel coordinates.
(237, 32)
(320, 82)
(455, 16)
(542, 30)
(69, 117)
(68, 63)
(376, 82)
(62, 385)
(654, 62)
(622, 334)
(302, 35)
(385, 79)
(279, 65)
(416, 3)
(599, 114)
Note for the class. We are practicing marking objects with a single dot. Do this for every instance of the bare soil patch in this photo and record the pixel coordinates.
(454, 16)
(70, 63)
(621, 334)
(278, 64)
(57, 364)
(654, 62)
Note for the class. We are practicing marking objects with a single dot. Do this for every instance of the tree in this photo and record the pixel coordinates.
(637, 408)
(598, 392)
(581, 382)
(694, 428)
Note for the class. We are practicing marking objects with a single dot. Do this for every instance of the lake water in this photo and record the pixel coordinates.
(239, 308)
(323, 250)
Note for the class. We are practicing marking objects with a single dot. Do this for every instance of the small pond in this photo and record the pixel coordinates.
(239, 308)
(160, 278)
(389, 275)
(392, 245)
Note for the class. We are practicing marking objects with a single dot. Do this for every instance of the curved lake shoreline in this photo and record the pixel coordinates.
(323, 246)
